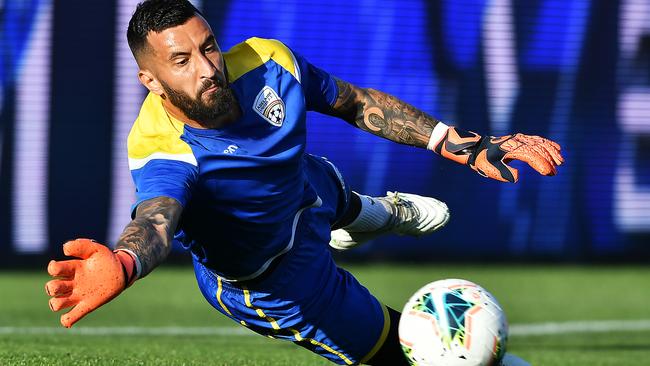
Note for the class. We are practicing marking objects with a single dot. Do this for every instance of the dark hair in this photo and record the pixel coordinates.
(156, 16)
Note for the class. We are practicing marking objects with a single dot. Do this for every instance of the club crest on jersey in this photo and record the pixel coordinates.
(269, 106)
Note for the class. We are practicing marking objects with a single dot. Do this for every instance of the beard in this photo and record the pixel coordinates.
(207, 109)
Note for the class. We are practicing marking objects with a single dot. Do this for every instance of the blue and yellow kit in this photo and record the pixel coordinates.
(257, 209)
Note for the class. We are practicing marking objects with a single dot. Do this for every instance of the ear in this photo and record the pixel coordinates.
(150, 82)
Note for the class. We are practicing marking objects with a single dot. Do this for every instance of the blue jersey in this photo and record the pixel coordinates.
(243, 187)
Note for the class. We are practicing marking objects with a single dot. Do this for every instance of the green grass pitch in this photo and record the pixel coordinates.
(169, 300)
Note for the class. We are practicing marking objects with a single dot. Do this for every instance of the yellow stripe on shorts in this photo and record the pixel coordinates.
(260, 312)
(330, 350)
(219, 291)
(327, 348)
(382, 337)
(296, 334)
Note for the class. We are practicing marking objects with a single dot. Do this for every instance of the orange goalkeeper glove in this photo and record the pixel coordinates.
(489, 156)
(91, 281)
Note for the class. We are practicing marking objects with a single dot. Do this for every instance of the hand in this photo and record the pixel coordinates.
(86, 283)
(490, 155)
(493, 154)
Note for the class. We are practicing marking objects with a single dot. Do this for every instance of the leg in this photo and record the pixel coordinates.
(399, 213)
(361, 325)
(308, 300)
(390, 353)
(352, 212)
(359, 218)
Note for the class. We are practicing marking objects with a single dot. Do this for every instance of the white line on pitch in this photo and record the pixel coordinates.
(515, 329)
(162, 331)
(600, 326)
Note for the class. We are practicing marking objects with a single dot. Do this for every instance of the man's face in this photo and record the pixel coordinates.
(187, 62)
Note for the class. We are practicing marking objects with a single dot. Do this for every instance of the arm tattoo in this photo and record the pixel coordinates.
(383, 115)
(150, 234)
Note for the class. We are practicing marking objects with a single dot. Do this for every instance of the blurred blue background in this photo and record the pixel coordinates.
(576, 71)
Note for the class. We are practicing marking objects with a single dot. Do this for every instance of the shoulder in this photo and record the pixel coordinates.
(155, 135)
(254, 52)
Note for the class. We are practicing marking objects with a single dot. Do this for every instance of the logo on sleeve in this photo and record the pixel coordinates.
(269, 106)
(230, 149)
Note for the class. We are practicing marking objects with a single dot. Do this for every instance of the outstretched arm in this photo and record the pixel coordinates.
(99, 275)
(383, 115)
(149, 236)
(386, 116)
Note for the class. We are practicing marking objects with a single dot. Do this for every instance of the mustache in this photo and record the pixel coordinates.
(207, 84)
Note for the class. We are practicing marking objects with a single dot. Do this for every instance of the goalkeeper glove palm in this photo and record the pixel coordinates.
(89, 282)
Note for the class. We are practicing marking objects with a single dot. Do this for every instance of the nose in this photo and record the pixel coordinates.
(207, 68)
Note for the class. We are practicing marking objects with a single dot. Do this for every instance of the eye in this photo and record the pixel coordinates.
(209, 49)
(182, 62)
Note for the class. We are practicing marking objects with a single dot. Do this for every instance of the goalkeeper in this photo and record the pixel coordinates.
(218, 158)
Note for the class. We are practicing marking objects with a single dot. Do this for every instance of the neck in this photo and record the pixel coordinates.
(216, 123)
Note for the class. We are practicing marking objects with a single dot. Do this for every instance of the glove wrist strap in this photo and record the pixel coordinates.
(438, 134)
(130, 263)
(453, 143)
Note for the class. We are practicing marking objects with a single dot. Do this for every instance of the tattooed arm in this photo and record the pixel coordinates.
(383, 115)
(150, 234)
(100, 274)
(391, 118)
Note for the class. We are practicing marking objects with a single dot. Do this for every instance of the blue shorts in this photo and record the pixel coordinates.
(306, 298)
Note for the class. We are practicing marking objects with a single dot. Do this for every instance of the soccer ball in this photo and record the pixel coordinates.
(453, 323)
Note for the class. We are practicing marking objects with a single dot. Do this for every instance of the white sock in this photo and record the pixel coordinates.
(373, 215)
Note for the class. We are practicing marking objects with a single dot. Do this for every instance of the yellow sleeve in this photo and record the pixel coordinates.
(253, 52)
(155, 135)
